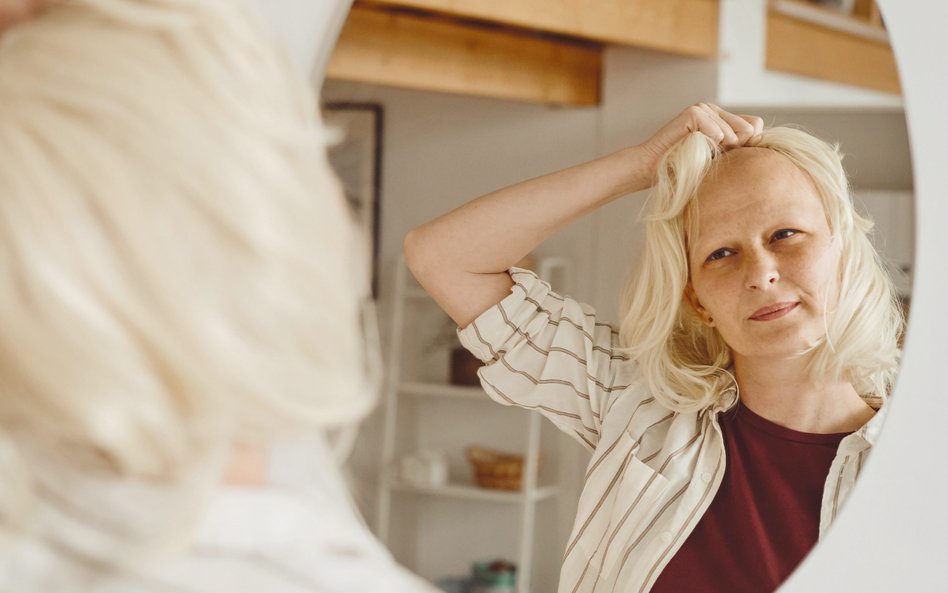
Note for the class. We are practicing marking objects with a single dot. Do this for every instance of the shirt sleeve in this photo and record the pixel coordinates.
(548, 353)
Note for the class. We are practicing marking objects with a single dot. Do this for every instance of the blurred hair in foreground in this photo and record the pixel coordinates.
(180, 268)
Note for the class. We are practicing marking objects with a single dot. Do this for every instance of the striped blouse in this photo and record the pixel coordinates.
(653, 472)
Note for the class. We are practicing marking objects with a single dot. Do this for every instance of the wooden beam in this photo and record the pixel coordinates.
(875, 16)
(862, 9)
(809, 49)
(688, 27)
(868, 11)
(432, 54)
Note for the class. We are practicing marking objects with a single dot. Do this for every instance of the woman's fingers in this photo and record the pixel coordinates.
(756, 122)
(702, 119)
(743, 129)
(729, 137)
(726, 128)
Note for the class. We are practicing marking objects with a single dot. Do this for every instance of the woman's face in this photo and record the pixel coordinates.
(764, 265)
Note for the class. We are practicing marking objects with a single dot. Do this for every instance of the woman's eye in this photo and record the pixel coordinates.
(784, 233)
(719, 254)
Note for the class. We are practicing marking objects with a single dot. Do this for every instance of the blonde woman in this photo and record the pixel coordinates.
(179, 327)
(731, 411)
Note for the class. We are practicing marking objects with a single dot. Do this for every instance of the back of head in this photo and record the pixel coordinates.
(686, 363)
(178, 259)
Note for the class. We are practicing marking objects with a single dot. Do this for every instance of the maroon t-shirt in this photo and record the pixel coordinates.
(766, 515)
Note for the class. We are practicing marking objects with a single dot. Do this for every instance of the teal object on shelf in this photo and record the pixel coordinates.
(497, 576)
(455, 585)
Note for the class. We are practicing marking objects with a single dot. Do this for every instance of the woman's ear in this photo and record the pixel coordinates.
(700, 311)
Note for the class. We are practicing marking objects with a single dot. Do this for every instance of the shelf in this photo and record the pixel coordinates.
(407, 49)
(816, 43)
(442, 390)
(442, 404)
(687, 27)
(472, 492)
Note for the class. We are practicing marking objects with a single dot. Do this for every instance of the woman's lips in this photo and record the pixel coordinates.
(775, 311)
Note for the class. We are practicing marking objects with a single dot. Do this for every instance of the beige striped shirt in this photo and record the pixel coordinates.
(653, 472)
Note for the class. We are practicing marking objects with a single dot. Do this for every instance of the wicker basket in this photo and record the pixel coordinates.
(496, 470)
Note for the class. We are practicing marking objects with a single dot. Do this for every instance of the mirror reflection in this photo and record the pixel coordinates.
(695, 267)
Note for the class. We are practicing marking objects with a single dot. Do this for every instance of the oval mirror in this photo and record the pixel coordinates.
(893, 532)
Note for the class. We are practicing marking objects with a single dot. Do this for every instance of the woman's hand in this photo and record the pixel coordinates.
(725, 128)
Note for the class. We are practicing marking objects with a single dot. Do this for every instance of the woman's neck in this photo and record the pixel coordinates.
(782, 391)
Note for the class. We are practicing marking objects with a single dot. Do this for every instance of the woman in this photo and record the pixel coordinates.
(179, 326)
(731, 412)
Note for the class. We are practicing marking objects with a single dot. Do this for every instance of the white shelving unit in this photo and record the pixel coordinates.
(396, 390)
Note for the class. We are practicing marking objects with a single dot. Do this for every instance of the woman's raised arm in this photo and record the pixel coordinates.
(462, 257)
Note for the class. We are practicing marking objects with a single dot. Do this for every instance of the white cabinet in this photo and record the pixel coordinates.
(438, 530)
(743, 79)
(739, 77)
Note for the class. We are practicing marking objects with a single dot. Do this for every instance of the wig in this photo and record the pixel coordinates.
(685, 363)
(180, 269)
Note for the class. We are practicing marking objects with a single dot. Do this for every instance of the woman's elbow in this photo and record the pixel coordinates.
(413, 251)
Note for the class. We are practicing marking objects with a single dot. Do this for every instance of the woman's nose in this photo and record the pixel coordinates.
(761, 272)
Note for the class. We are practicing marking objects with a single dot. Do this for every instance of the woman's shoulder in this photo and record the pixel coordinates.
(271, 535)
(637, 410)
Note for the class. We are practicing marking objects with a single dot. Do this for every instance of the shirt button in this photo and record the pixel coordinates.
(706, 477)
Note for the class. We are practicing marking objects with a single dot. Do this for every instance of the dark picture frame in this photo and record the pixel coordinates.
(356, 157)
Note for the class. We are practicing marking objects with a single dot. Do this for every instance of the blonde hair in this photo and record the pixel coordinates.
(181, 269)
(684, 362)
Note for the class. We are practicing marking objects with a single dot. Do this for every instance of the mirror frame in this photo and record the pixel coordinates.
(893, 533)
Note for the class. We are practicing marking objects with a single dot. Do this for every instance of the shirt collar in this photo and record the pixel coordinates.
(868, 434)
